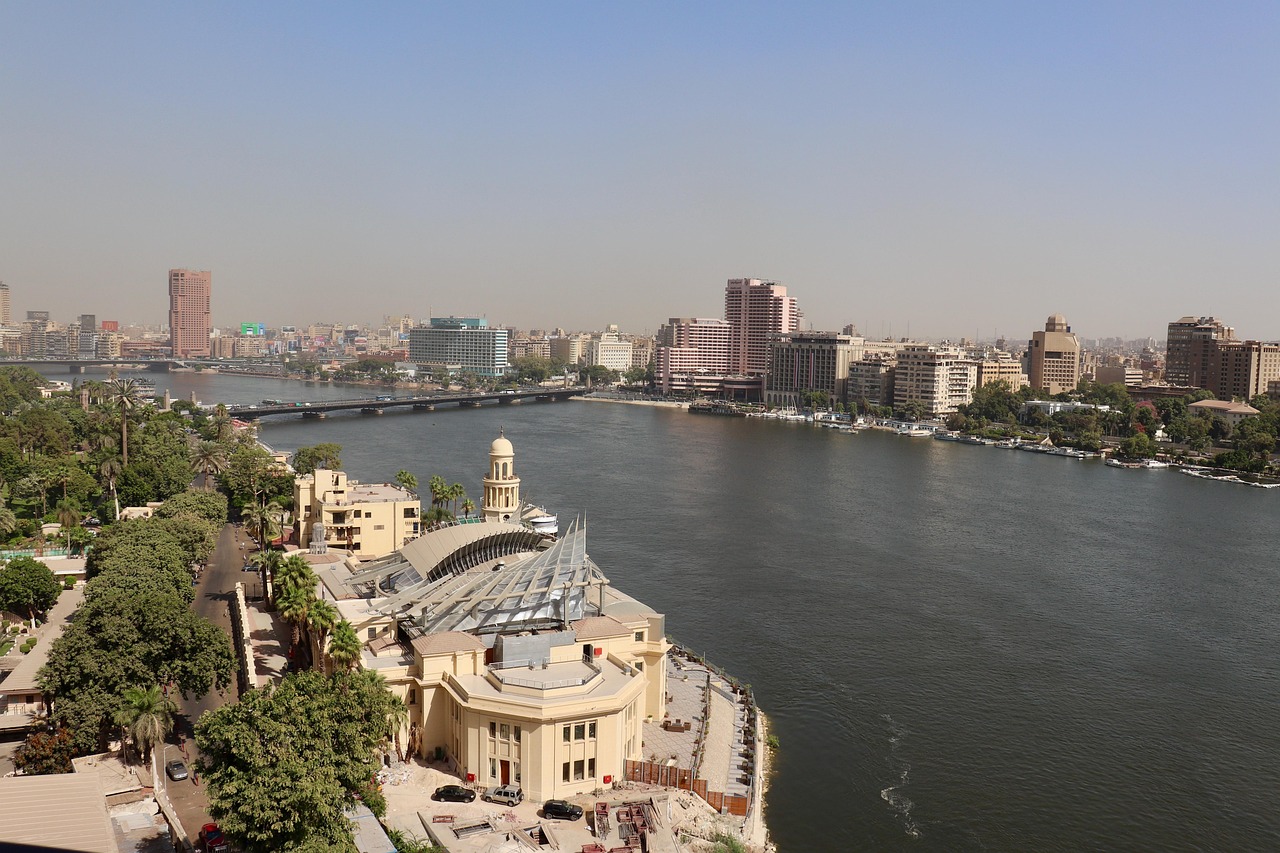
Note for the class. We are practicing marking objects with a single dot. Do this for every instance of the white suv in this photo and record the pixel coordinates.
(509, 795)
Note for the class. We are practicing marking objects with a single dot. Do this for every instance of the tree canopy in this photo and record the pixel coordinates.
(282, 765)
(28, 586)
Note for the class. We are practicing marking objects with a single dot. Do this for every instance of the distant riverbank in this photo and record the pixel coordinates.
(666, 404)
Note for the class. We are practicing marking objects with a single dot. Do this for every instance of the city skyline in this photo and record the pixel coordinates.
(931, 171)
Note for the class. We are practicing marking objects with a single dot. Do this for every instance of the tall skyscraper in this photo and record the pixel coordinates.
(757, 312)
(1186, 356)
(1054, 357)
(6, 310)
(189, 317)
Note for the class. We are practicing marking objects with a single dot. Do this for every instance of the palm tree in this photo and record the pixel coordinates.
(268, 563)
(397, 718)
(208, 457)
(468, 507)
(345, 646)
(124, 395)
(110, 468)
(294, 605)
(456, 493)
(439, 490)
(68, 516)
(221, 422)
(322, 618)
(296, 573)
(263, 522)
(406, 480)
(147, 715)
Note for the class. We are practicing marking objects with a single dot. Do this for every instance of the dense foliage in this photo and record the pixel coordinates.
(28, 586)
(283, 765)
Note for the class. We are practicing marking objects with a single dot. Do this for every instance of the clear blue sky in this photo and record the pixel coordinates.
(957, 168)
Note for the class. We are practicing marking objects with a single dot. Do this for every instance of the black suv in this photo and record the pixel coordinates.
(561, 810)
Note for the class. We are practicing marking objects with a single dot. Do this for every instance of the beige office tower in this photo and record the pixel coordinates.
(189, 317)
(6, 310)
(1054, 357)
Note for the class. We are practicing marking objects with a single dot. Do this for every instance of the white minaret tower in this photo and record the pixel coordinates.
(501, 486)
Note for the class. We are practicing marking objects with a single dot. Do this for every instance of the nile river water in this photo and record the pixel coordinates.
(960, 648)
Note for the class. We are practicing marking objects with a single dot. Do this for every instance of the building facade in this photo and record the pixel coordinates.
(1054, 357)
(1186, 355)
(190, 321)
(870, 381)
(941, 379)
(803, 362)
(1001, 367)
(757, 312)
(1232, 368)
(459, 345)
(368, 519)
(6, 308)
(692, 356)
(519, 662)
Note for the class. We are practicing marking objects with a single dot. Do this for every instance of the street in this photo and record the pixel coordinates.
(214, 593)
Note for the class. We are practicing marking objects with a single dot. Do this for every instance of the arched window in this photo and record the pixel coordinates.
(504, 470)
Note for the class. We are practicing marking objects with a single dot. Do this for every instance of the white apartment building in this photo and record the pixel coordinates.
(941, 378)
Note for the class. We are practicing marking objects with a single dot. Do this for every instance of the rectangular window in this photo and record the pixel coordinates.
(413, 696)
(591, 768)
(565, 771)
(591, 730)
(564, 732)
(505, 731)
(517, 734)
(493, 729)
(493, 768)
(579, 731)
(373, 633)
(639, 636)
(578, 770)
(379, 527)
(515, 768)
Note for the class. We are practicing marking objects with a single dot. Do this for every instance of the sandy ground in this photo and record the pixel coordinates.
(667, 404)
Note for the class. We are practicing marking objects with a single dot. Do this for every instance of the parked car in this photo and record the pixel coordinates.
(212, 839)
(248, 567)
(454, 794)
(561, 810)
(176, 769)
(507, 794)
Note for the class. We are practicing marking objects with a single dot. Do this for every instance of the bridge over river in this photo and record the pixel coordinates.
(424, 402)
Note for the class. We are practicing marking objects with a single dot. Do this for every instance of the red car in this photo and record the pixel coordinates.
(213, 839)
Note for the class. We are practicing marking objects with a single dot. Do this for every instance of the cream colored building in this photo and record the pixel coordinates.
(368, 519)
(518, 660)
(1001, 367)
(1054, 357)
(940, 378)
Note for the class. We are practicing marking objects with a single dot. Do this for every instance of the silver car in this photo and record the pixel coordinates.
(509, 795)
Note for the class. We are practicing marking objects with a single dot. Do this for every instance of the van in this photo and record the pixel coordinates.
(509, 795)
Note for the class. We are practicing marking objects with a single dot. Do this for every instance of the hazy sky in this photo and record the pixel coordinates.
(955, 168)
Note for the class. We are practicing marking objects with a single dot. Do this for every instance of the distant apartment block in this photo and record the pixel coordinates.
(1002, 367)
(941, 378)
(459, 345)
(1186, 356)
(108, 344)
(1054, 357)
(6, 308)
(642, 352)
(757, 312)
(692, 356)
(369, 520)
(1241, 369)
(871, 379)
(810, 361)
(609, 350)
(189, 317)
(1118, 375)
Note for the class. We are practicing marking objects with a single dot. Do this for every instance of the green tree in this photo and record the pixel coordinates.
(322, 617)
(282, 765)
(210, 506)
(28, 586)
(345, 646)
(325, 455)
(468, 507)
(406, 480)
(69, 515)
(208, 458)
(263, 522)
(147, 715)
(124, 395)
(1138, 446)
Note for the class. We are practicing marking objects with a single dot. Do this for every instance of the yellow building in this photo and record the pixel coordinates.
(518, 660)
(368, 520)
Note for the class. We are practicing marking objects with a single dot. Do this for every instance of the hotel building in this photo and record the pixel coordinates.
(810, 361)
(1054, 357)
(1186, 355)
(757, 312)
(940, 378)
(459, 345)
(189, 318)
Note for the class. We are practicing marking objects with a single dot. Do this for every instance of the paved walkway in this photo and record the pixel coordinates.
(270, 638)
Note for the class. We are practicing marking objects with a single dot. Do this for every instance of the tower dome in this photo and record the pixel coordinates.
(501, 447)
(1056, 323)
(501, 486)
